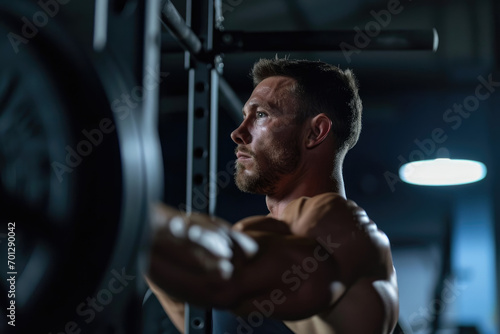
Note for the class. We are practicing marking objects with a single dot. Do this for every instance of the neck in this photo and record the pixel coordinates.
(308, 185)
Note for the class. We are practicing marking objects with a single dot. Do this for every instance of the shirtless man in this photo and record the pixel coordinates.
(316, 263)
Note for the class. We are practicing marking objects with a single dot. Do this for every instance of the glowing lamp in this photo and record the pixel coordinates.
(442, 172)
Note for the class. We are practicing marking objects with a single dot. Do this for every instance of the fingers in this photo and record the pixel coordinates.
(212, 233)
(197, 251)
(214, 224)
(248, 246)
(198, 243)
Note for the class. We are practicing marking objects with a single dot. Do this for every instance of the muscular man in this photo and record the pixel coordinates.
(316, 263)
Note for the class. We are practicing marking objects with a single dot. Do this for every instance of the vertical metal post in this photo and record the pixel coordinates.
(202, 135)
(494, 120)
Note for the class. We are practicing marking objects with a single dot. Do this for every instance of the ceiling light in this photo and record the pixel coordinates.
(442, 172)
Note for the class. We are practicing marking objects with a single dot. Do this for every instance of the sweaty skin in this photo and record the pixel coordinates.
(317, 256)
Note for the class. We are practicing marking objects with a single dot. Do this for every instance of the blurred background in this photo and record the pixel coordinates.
(80, 161)
(444, 239)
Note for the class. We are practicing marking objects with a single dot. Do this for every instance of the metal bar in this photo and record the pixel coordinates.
(176, 25)
(101, 24)
(335, 40)
(214, 132)
(219, 16)
(197, 321)
(231, 101)
(190, 144)
(202, 128)
(494, 119)
(445, 270)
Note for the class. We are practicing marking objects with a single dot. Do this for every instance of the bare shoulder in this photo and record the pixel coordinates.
(329, 213)
(362, 248)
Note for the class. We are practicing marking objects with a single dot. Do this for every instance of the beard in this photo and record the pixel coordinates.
(268, 168)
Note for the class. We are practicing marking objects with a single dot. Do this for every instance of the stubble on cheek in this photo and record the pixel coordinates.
(280, 157)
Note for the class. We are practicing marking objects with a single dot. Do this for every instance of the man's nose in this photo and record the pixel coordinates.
(241, 135)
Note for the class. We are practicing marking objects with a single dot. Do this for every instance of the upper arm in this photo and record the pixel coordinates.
(365, 266)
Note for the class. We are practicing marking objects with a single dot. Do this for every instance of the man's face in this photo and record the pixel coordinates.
(268, 138)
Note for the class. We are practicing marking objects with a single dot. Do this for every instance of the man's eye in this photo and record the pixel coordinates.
(260, 114)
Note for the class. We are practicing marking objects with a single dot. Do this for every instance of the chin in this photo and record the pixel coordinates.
(253, 186)
(245, 184)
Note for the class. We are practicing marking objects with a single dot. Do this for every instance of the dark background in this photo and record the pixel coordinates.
(443, 238)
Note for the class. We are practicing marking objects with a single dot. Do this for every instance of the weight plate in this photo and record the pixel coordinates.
(60, 176)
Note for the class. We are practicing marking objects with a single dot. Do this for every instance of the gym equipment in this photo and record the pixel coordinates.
(80, 158)
(79, 161)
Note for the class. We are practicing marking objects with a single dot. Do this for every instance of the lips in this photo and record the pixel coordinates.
(242, 155)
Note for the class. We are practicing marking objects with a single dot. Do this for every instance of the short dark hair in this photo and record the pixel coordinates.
(320, 88)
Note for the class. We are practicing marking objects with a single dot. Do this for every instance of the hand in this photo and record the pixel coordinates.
(195, 246)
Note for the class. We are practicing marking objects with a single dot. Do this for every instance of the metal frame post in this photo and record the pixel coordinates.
(202, 135)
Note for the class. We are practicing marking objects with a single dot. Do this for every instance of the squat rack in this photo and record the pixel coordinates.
(203, 39)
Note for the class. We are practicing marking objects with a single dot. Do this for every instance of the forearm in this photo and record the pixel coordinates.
(291, 270)
(291, 275)
(174, 308)
(296, 272)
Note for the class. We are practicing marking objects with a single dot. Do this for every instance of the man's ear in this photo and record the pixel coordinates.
(320, 127)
